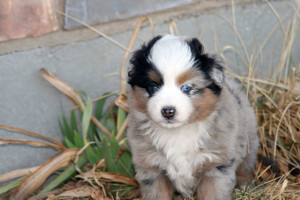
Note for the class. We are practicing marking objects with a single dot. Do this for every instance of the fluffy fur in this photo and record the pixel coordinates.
(191, 129)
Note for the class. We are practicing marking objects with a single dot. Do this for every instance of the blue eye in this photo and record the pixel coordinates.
(152, 89)
(186, 88)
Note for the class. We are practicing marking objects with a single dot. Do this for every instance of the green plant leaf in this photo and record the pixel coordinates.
(86, 118)
(78, 141)
(99, 107)
(110, 150)
(98, 143)
(82, 94)
(65, 175)
(92, 132)
(73, 121)
(108, 120)
(62, 129)
(98, 152)
(67, 128)
(121, 118)
(126, 163)
(68, 143)
(11, 186)
(92, 156)
(64, 143)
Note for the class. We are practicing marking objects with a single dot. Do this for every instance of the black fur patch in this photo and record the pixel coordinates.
(215, 88)
(205, 64)
(139, 74)
(270, 162)
(295, 167)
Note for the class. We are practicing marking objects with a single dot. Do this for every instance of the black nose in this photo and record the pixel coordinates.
(168, 112)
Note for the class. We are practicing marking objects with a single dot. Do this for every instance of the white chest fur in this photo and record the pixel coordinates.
(181, 147)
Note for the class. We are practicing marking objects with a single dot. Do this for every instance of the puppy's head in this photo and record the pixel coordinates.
(174, 82)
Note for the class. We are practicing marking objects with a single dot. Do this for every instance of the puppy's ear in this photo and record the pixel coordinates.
(130, 75)
(217, 74)
(130, 71)
(195, 46)
(140, 64)
(207, 64)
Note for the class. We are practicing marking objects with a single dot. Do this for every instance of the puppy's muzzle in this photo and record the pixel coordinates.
(168, 112)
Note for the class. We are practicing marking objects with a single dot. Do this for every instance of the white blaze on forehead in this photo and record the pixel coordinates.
(171, 55)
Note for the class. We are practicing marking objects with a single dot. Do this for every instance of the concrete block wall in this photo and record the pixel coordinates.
(91, 63)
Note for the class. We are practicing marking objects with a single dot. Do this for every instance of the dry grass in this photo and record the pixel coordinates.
(277, 170)
(276, 100)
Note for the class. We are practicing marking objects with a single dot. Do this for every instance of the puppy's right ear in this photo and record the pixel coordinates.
(139, 62)
(130, 71)
(130, 75)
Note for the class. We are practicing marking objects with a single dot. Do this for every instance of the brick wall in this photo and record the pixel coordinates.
(26, 18)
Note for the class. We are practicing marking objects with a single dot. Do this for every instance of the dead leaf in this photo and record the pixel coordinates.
(98, 195)
(71, 94)
(9, 128)
(83, 191)
(110, 176)
(17, 173)
(32, 143)
(37, 178)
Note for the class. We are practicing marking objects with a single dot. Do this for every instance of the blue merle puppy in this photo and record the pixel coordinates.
(192, 130)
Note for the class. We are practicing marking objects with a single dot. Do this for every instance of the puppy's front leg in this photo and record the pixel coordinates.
(154, 184)
(218, 184)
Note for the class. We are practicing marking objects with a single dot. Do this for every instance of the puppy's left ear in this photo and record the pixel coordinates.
(217, 74)
(206, 63)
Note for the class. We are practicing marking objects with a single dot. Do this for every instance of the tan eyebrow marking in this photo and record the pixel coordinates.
(187, 75)
(155, 76)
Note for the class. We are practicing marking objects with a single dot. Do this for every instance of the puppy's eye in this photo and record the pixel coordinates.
(152, 89)
(186, 88)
